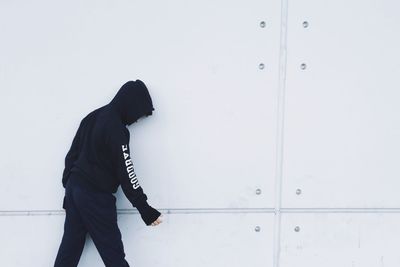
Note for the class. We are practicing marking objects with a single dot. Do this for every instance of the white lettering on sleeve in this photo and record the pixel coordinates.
(129, 167)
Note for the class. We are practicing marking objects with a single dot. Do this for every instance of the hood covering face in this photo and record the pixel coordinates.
(132, 102)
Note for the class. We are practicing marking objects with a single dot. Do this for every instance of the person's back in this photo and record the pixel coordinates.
(95, 165)
(94, 160)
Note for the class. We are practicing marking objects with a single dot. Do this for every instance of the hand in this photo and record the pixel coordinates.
(158, 221)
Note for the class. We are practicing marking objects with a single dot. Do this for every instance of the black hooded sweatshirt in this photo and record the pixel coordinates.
(100, 149)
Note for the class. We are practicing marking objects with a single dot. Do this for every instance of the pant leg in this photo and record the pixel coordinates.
(99, 214)
(74, 236)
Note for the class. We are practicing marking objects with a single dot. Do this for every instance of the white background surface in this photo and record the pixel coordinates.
(221, 128)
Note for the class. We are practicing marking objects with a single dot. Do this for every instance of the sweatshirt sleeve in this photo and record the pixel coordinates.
(71, 156)
(118, 144)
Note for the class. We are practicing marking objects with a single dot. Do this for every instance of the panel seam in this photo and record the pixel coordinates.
(280, 133)
(217, 210)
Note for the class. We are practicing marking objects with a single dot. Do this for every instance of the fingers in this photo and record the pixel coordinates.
(158, 221)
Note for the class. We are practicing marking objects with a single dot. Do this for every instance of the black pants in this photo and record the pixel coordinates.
(93, 212)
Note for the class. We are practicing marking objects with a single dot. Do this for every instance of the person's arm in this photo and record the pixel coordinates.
(72, 155)
(118, 145)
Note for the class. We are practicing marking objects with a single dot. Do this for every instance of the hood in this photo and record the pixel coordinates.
(132, 101)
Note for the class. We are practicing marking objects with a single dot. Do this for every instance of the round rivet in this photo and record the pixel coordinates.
(303, 66)
(297, 229)
(262, 24)
(298, 191)
(258, 191)
(257, 228)
(261, 66)
(305, 24)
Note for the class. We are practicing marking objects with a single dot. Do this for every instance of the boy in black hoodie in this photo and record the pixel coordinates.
(96, 164)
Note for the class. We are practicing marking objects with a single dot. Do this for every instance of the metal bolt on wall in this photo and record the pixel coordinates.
(261, 66)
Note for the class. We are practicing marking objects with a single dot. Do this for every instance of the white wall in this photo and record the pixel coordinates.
(222, 127)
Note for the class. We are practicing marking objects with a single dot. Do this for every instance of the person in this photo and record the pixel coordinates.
(97, 163)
